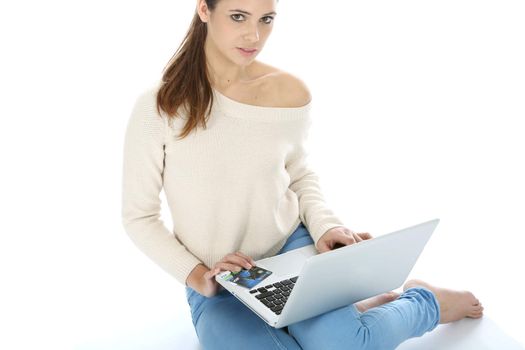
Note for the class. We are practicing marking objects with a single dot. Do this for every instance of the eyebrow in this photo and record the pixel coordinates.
(247, 13)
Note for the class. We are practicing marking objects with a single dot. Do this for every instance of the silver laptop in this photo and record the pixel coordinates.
(304, 283)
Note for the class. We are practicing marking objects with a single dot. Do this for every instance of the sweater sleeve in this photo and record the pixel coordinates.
(143, 166)
(313, 212)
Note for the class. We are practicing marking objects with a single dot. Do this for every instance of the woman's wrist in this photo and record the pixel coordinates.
(195, 278)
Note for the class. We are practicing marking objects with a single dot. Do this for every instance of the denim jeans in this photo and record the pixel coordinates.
(223, 322)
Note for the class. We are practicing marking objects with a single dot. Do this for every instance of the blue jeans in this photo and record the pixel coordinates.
(223, 322)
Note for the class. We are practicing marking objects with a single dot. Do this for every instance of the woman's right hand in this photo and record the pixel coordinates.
(232, 262)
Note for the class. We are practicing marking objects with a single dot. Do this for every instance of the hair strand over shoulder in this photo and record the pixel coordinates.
(185, 82)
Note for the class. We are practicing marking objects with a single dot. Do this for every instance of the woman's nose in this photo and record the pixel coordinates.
(252, 35)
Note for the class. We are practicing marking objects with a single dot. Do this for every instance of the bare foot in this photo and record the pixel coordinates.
(380, 299)
(454, 305)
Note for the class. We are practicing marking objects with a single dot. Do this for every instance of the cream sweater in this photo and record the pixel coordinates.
(243, 184)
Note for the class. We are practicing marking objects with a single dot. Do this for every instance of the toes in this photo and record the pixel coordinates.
(477, 313)
(477, 309)
(476, 316)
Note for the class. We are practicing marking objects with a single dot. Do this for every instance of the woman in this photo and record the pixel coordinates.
(225, 135)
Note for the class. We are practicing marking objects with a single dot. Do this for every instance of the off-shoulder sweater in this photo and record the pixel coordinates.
(242, 184)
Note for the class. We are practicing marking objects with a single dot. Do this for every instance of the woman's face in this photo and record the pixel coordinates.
(239, 24)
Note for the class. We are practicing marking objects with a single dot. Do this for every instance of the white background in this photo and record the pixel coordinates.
(417, 111)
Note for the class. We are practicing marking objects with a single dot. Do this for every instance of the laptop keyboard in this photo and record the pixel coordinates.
(274, 296)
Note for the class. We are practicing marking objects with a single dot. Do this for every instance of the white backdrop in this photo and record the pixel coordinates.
(417, 109)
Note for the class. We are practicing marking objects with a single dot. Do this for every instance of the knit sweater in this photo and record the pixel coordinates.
(242, 184)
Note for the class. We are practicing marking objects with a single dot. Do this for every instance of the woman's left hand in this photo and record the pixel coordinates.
(339, 237)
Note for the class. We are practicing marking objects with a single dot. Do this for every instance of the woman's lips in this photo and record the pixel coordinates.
(246, 52)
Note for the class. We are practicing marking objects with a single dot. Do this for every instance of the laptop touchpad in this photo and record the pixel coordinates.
(290, 262)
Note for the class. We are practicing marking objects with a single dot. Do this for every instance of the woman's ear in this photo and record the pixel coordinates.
(202, 10)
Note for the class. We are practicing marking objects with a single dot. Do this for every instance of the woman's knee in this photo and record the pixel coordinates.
(427, 306)
(414, 313)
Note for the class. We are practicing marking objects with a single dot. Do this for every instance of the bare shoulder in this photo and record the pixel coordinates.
(293, 90)
(284, 87)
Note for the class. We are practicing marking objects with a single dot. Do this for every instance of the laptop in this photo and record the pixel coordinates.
(302, 283)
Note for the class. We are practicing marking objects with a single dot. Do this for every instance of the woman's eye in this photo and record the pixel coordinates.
(237, 19)
(268, 19)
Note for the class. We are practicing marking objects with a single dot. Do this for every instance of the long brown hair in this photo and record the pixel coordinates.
(185, 82)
